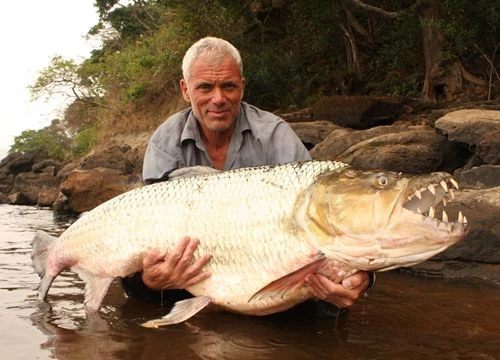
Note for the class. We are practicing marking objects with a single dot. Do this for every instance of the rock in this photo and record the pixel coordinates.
(86, 189)
(488, 148)
(477, 255)
(42, 165)
(411, 149)
(312, 133)
(6, 182)
(47, 197)
(20, 199)
(482, 209)
(113, 158)
(479, 177)
(31, 184)
(357, 112)
(4, 199)
(470, 125)
(480, 129)
(18, 163)
(61, 205)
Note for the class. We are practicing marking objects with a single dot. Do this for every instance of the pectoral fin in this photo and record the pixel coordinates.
(96, 288)
(291, 281)
(181, 311)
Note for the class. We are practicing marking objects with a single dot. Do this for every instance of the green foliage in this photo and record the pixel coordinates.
(293, 52)
(52, 139)
(84, 140)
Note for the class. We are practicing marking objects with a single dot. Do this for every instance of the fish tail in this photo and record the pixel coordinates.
(41, 245)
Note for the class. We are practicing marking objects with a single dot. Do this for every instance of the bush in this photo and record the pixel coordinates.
(84, 140)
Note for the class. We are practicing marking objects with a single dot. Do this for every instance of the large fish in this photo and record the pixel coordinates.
(267, 228)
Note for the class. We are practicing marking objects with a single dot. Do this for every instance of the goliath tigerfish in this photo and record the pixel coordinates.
(267, 228)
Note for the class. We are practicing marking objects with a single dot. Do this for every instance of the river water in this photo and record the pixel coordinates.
(404, 317)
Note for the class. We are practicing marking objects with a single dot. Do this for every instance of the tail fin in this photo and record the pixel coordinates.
(41, 245)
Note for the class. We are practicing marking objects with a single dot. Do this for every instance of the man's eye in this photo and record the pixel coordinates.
(204, 87)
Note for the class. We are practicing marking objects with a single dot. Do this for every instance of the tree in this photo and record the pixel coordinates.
(52, 139)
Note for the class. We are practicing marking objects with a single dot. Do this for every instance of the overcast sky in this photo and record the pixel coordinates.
(32, 32)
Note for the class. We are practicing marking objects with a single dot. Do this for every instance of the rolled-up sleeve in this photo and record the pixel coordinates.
(158, 163)
(286, 146)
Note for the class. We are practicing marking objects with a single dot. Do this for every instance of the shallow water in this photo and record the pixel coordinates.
(405, 317)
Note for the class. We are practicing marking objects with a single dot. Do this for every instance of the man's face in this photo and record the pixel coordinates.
(215, 90)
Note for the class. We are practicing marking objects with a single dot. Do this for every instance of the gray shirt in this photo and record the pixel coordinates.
(260, 138)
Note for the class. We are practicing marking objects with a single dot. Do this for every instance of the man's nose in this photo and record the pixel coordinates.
(218, 95)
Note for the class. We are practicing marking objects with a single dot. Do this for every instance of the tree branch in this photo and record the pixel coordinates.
(389, 14)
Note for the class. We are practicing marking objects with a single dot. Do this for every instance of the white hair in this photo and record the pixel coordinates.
(214, 49)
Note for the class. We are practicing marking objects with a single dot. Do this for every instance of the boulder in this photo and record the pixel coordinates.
(6, 182)
(116, 157)
(479, 177)
(47, 197)
(411, 149)
(312, 133)
(4, 199)
(31, 184)
(469, 126)
(18, 163)
(86, 189)
(357, 112)
(477, 255)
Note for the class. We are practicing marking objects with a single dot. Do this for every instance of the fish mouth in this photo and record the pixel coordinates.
(431, 202)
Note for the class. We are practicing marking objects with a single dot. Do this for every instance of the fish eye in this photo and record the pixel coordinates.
(383, 181)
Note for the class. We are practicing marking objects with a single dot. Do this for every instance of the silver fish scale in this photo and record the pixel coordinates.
(242, 217)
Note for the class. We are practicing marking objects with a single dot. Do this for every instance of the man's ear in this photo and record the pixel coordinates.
(184, 89)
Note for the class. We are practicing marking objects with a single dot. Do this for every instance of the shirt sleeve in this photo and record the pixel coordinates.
(158, 163)
(286, 146)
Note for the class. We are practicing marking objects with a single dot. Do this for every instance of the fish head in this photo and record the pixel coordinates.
(382, 220)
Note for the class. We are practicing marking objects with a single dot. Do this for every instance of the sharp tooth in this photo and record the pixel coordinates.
(444, 185)
(431, 189)
(431, 212)
(419, 211)
(444, 202)
(460, 217)
(465, 220)
(418, 194)
(454, 182)
(452, 194)
(445, 216)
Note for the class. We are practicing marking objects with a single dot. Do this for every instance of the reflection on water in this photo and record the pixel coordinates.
(404, 317)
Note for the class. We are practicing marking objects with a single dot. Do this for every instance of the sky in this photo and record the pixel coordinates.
(32, 32)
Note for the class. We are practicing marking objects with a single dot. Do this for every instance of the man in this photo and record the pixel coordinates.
(221, 131)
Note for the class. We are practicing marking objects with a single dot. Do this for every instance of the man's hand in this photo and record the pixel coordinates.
(343, 294)
(174, 270)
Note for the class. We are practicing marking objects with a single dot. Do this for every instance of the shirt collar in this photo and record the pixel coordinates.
(191, 130)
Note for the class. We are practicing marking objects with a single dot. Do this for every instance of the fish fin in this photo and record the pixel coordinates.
(181, 311)
(192, 171)
(44, 286)
(41, 244)
(96, 288)
(290, 281)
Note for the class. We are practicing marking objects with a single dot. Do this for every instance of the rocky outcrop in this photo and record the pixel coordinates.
(75, 187)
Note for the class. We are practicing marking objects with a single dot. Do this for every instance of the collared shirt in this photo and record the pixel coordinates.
(259, 138)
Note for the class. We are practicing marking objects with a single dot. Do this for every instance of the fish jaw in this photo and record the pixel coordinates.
(380, 221)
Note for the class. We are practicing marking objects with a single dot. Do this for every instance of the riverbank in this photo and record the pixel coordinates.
(366, 132)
